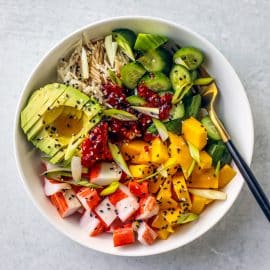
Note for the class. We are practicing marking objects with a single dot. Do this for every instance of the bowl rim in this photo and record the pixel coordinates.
(51, 50)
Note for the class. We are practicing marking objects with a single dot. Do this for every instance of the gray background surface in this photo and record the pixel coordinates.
(239, 28)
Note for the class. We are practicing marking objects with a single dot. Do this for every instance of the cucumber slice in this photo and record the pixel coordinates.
(194, 74)
(131, 73)
(125, 38)
(135, 100)
(177, 111)
(156, 60)
(211, 129)
(179, 76)
(156, 81)
(194, 107)
(146, 42)
(191, 56)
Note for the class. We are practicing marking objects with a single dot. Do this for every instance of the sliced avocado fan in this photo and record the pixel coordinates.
(57, 118)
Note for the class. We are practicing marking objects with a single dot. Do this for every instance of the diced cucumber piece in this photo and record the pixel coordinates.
(131, 73)
(180, 77)
(177, 111)
(210, 127)
(194, 74)
(146, 42)
(191, 56)
(125, 38)
(194, 107)
(156, 60)
(156, 81)
(135, 100)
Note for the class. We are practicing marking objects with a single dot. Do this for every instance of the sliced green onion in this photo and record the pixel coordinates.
(162, 171)
(114, 78)
(180, 61)
(153, 112)
(203, 81)
(181, 92)
(110, 189)
(84, 64)
(120, 115)
(188, 217)
(217, 170)
(162, 130)
(208, 193)
(191, 168)
(118, 158)
(111, 48)
(194, 152)
(135, 100)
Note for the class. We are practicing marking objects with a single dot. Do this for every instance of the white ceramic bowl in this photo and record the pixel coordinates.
(233, 107)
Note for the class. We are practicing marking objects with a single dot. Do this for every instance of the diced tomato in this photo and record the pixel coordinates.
(139, 190)
(123, 236)
(89, 198)
(117, 196)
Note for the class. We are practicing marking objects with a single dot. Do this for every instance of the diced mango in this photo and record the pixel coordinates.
(179, 151)
(203, 178)
(172, 165)
(208, 201)
(155, 183)
(194, 132)
(163, 234)
(142, 158)
(133, 148)
(198, 204)
(172, 215)
(141, 171)
(205, 160)
(181, 191)
(164, 196)
(226, 174)
(159, 151)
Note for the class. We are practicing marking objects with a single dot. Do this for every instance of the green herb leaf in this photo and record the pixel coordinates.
(118, 158)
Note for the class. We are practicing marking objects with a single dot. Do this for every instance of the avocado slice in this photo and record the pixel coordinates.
(59, 128)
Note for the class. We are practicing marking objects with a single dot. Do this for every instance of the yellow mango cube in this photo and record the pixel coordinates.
(159, 151)
(181, 191)
(205, 160)
(163, 234)
(155, 183)
(164, 196)
(198, 204)
(194, 132)
(172, 165)
(172, 216)
(203, 178)
(226, 174)
(141, 171)
(163, 226)
(142, 158)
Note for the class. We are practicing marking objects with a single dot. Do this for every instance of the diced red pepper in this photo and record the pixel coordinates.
(123, 236)
(117, 196)
(139, 190)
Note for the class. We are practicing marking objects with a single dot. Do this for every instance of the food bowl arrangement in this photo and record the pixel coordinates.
(128, 148)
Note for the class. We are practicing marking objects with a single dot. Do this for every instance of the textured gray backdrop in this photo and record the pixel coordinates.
(239, 28)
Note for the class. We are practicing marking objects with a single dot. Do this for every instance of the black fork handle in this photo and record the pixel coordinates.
(251, 180)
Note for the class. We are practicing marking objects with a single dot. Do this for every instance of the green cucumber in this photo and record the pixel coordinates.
(194, 74)
(156, 81)
(135, 101)
(131, 73)
(211, 129)
(125, 38)
(194, 107)
(177, 111)
(180, 77)
(146, 42)
(156, 60)
(192, 57)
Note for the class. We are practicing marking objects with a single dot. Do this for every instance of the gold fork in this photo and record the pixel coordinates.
(209, 94)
